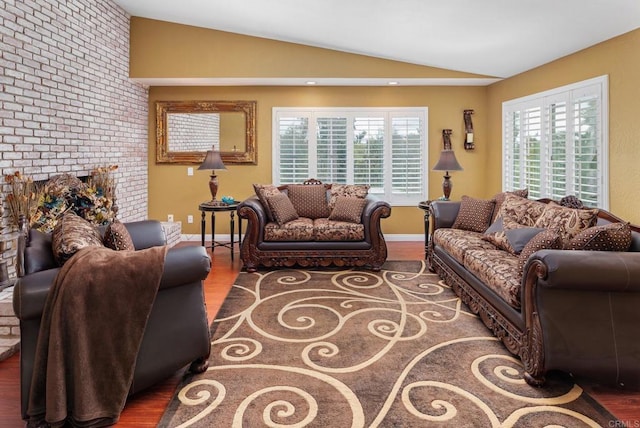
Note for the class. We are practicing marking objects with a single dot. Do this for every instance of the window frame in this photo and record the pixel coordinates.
(388, 113)
(596, 88)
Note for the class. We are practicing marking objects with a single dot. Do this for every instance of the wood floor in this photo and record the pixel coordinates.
(146, 408)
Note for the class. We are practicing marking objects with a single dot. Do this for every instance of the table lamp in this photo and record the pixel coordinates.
(447, 162)
(213, 161)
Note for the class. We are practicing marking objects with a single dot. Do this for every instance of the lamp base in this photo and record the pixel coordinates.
(213, 187)
(447, 185)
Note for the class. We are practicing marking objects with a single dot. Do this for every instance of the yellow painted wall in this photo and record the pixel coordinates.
(619, 58)
(163, 49)
(171, 191)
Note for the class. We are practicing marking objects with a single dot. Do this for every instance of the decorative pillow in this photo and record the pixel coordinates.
(499, 198)
(571, 201)
(516, 210)
(608, 237)
(117, 237)
(499, 239)
(348, 209)
(519, 238)
(348, 190)
(568, 221)
(310, 201)
(546, 240)
(474, 214)
(263, 191)
(496, 226)
(282, 208)
(71, 234)
(497, 234)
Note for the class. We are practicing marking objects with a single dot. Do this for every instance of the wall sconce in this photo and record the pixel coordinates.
(468, 130)
(447, 162)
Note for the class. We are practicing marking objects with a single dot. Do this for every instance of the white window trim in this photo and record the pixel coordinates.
(541, 99)
(350, 112)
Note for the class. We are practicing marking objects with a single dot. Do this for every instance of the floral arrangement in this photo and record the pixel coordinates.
(93, 201)
(103, 182)
(22, 198)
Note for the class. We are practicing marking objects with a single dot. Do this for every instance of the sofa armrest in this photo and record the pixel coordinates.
(146, 233)
(374, 203)
(254, 204)
(30, 293)
(586, 270)
(373, 211)
(185, 265)
(444, 213)
(182, 265)
(252, 210)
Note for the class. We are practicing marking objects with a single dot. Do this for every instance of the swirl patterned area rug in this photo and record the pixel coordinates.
(353, 348)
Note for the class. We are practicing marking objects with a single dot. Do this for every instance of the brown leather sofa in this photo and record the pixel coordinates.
(177, 331)
(371, 251)
(579, 309)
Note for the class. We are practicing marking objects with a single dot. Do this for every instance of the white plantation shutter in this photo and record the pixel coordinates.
(555, 144)
(368, 152)
(384, 148)
(531, 150)
(555, 157)
(331, 149)
(294, 149)
(407, 156)
(512, 153)
(587, 150)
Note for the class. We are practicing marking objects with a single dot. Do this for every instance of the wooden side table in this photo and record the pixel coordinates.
(426, 207)
(206, 207)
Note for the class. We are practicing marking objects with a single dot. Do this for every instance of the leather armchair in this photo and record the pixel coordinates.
(178, 320)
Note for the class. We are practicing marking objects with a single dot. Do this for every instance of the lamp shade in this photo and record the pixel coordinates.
(447, 162)
(212, 161)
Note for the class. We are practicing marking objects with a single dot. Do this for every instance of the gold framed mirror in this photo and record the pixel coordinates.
(185, 130)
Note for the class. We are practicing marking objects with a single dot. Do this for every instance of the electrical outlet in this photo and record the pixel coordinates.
(170, 217)
(190, 170)
(189, 219)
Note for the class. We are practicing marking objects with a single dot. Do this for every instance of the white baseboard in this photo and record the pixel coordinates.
(226, 238)
(404, 237)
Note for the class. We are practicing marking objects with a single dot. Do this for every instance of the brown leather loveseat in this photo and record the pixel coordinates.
(325, 224)
(177, 330)
(570, 305)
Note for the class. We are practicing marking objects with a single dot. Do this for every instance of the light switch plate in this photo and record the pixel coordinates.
(189, 219)
(190, 170)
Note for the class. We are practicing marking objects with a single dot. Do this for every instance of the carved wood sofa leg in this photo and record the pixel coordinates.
(532, 380)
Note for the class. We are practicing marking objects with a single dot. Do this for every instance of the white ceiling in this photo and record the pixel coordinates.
(498, 38)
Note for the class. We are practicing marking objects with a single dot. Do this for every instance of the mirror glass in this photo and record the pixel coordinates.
(187, 129)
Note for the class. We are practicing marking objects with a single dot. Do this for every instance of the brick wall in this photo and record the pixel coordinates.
(66, 103)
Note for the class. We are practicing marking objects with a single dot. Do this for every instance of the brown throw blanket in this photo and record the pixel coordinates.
(90, 334)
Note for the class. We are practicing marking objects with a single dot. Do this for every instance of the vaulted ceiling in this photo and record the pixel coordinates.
(497, 38)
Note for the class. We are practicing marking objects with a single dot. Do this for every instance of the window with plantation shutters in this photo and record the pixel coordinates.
(385, 148)
(555, 143)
